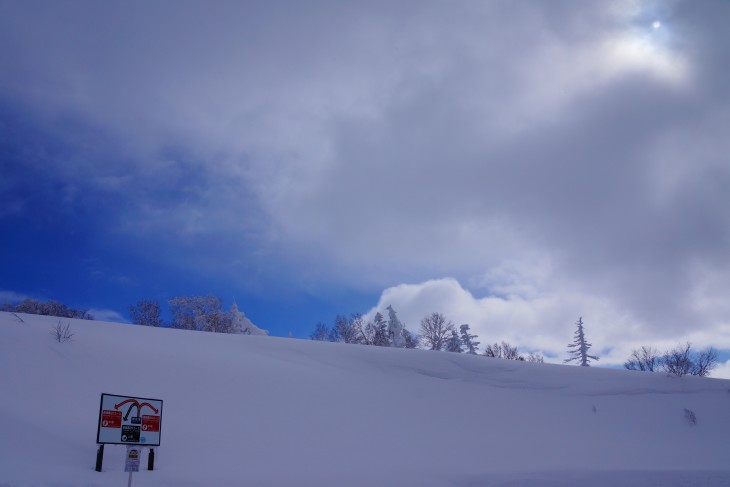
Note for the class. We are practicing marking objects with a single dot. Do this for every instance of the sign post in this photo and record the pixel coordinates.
(127, 420)
(132, 462)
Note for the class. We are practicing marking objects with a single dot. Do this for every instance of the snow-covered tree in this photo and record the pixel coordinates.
(376, 332)
(346, 330)
(580, 346)
(202, 313)
(411, 340)
(395, 329)
(380, 336)
(453, 343)
(241, 323)
(470, 346)
(435, 330)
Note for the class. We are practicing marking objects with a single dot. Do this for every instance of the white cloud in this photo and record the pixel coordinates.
(540, 154)
(108, 315)
(542, 320)
(11, 297)
(722, 371)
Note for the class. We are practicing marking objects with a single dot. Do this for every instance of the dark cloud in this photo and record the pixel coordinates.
(384, 142)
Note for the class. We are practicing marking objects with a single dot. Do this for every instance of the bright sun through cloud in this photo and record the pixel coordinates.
(639, 50)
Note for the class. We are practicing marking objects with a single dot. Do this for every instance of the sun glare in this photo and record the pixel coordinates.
(645, 44)
(638, 53)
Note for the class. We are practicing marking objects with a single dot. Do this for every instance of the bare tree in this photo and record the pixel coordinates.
(678, 361)
(146, 313)
(580, 346)
(62, 332)
(434, 331)
(47, 308)
(503, 350)
(535, 357)
(320, 333)
(704, 362)
(682, 360)
(645, 358)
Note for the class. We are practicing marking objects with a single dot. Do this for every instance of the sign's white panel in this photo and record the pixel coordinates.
(126, 420)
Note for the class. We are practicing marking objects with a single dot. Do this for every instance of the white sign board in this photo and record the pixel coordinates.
(132, 462)
(126, 420)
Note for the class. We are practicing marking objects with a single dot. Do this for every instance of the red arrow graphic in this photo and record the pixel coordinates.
(116, 406)
(150, 405)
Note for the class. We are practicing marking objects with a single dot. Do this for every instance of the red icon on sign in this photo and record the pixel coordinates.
(150, 423)
(111, 419)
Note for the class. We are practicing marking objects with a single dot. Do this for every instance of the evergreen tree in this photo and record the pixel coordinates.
(243, 325)
(346, 330)
(467, 339)
(453, 343)
(380, 331)
(579, 348)
(411, 340)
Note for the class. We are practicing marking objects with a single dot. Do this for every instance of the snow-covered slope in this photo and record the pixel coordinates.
(262, 411)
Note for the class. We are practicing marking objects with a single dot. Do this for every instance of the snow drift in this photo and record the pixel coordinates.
(263, 411)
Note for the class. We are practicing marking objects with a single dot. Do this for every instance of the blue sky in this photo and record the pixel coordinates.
(513, 166)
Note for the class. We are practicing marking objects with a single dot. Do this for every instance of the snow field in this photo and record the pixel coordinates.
(264, 411)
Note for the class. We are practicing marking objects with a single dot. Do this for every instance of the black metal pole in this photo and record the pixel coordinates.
(151, 460)
(99, 457)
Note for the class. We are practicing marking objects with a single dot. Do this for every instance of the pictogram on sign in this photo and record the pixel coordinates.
(111, 419)
(150, 423)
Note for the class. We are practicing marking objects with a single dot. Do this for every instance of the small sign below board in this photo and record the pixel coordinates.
(126, 420)
(132, 460)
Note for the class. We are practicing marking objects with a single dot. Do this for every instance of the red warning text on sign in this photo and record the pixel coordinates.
(150, 423)
(111, 419)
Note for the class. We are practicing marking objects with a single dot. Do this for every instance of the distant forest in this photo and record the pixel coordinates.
(46, 308)
(205, 313)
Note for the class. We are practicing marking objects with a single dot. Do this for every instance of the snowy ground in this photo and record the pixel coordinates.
(262, 411)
